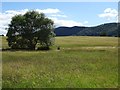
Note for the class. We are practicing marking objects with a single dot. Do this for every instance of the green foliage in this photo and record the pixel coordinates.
(103, 34)
(25, 31)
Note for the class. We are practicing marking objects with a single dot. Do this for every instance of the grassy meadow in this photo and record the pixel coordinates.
(82, 62)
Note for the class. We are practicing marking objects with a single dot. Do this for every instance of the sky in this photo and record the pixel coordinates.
(63, 13)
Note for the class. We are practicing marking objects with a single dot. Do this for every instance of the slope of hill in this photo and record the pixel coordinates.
(108, 29)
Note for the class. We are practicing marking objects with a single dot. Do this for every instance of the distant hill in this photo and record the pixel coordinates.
(108, 29)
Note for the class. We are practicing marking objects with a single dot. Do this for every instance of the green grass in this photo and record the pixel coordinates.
(77, 65)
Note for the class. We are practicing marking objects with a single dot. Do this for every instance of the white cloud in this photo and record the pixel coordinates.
(50, 11)
(13, 12)
(109, 14)
(85, 22)
(68, 23)
(54, 14)
(46, 11)
(59, 15)
(5, 18)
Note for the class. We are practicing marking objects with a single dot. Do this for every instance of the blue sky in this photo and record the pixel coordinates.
(66, 13)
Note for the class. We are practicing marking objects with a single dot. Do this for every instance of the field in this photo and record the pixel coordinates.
(82, 62)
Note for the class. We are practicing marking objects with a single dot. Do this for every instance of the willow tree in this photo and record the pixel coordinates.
(25, 31)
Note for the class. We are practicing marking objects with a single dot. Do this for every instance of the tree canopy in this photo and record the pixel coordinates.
(31, 29)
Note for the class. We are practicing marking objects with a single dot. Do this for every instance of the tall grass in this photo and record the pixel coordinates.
(70, 67)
